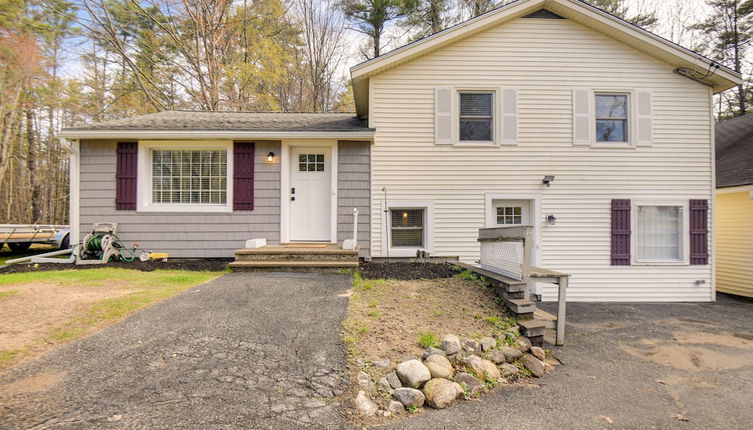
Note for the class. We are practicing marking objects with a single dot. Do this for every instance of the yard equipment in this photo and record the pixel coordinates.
(103, 245)
(20, 237)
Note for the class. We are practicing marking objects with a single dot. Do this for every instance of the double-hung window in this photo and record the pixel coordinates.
(612, 117)
(407, 228)
(476, 116)
(661, 232)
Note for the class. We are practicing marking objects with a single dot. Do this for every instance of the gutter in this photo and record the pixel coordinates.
(213, 134)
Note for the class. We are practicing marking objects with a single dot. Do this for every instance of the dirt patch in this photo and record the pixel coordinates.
(33, 384)
(695, 351)
(407, 271)
(203, 264)
(28, 316)
(387, 317)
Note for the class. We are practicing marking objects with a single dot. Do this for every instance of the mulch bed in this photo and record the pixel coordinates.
(208, 264)
(406, 271)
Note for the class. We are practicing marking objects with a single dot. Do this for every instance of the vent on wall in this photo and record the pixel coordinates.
(543, 14)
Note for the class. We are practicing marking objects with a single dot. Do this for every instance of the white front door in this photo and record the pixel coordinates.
(310, 194)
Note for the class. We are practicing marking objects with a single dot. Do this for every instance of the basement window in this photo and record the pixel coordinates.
(407, 228)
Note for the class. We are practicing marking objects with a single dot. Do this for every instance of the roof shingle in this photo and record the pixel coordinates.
(734, 152)
(235, 121)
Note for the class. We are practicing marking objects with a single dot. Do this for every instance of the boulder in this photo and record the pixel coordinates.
(471, 346)
(395, 407)
(382, 364)
(385, 385)
(511, 354)
(510, 371)
(409, 397)
(538, 352)
(441, 393)
(474, 386)
(523, 344)
(488, 343)
(394, 380)
(439, 366)
(476, 365)
(533, 364)
(413, 373)
(364, 405)
(491, 370)
(450, 344)
(433, 351)
(497, 356)
(364, 380)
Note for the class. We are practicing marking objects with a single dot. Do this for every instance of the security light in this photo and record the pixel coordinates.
(548, 180)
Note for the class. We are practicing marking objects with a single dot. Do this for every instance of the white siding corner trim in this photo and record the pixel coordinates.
(428, 208)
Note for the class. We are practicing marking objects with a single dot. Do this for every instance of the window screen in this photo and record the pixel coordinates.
(660, 233)
(407, 227)
(611, 117)
(189, 177)
(476, 116)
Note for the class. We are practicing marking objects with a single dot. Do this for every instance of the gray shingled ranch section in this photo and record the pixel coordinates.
(235, 121)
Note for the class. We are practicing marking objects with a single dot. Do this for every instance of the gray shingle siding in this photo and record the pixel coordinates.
(219, 234)
(353, 191)
(180, 234)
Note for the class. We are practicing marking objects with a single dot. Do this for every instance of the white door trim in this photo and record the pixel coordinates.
(535, 215)
(285, 161)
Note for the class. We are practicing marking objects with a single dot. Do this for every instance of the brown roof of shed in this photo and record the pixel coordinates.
(180, 120)
(734, 152)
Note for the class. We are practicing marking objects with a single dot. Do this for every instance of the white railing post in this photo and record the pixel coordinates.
(355, 226)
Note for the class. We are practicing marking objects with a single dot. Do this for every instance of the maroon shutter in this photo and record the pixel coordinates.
(243, 176)
(125, 176)
(620, 232)
(699, 232)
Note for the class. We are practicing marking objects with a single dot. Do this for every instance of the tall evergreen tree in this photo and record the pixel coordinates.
(370, 18)
(621, 9)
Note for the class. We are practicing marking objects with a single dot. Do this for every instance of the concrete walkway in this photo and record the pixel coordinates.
(630, 366)
(243, 351)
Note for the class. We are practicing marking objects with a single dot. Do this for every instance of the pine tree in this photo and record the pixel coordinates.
(370, 17)
(621, 9)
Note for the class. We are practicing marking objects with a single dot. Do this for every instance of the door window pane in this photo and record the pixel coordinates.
(407, 227)
(509, 215)
(476, 116)
(311, 162)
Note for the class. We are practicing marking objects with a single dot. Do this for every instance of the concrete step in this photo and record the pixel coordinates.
(532, 328)
(297, 257)
(246, 265)
(520, 306)
(549, 320)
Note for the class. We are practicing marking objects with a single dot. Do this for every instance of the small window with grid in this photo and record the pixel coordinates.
(311, 162)
(189, 176)
(509, 215)
(407, 229)
(611, 117)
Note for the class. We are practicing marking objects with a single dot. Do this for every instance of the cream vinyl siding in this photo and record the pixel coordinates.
(545, 60)
(734, 241)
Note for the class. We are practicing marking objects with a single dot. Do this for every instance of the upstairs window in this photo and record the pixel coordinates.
(476, 116)
(612, 117)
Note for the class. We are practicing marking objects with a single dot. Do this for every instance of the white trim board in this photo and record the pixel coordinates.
(285, 183)
(74, 188)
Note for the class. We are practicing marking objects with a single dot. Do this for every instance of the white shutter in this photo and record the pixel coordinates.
(583, 117)
(443, 116)
(509, 116)
(644, 121)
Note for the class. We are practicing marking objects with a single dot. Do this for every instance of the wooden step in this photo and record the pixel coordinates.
(549, 320)
(532, 328)
(292, 264)
(520, 306)
(283, 250)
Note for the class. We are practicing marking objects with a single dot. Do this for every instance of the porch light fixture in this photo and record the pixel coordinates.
(270, 157)
(551, 219)
(548, 180)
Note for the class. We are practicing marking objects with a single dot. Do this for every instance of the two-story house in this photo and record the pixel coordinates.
(549, 113)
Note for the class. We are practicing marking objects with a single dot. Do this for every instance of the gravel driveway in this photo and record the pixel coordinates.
(243, 351)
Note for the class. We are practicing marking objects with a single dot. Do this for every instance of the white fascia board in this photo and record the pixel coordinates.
(216, 134)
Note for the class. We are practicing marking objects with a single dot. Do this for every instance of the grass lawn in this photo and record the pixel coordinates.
(40, 311)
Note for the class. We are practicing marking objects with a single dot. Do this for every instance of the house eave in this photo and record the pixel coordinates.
(367, 134)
